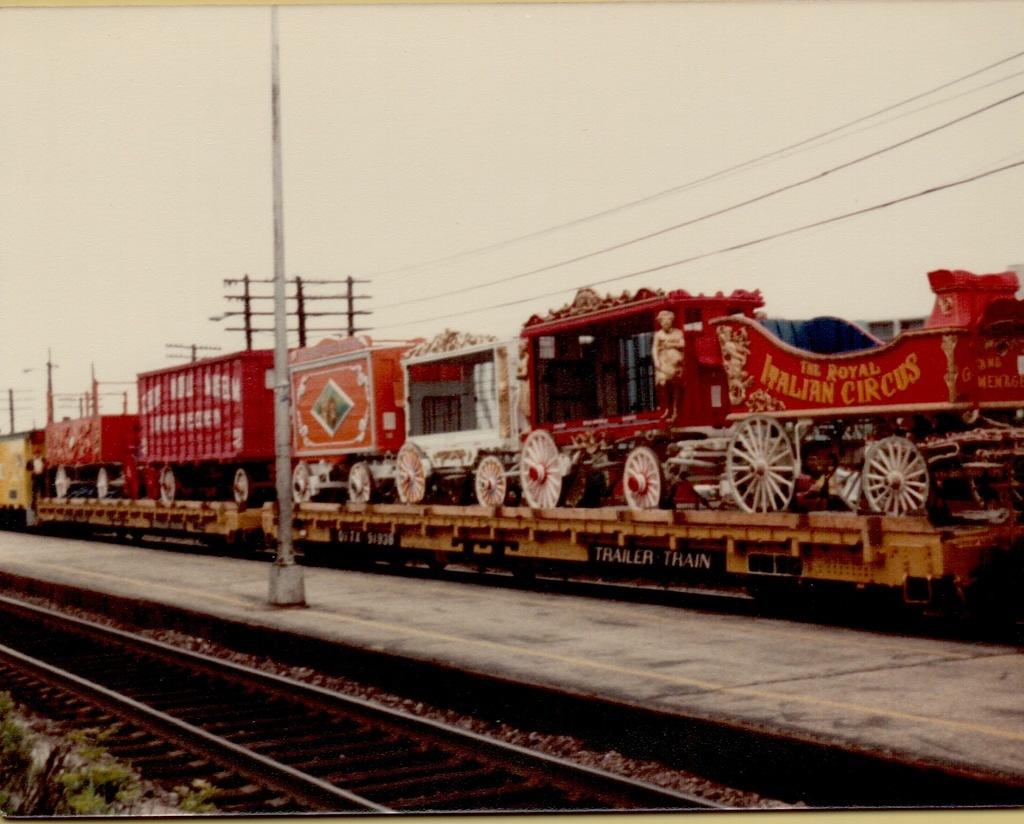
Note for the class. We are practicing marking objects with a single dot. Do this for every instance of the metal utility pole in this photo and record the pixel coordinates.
(287, 587)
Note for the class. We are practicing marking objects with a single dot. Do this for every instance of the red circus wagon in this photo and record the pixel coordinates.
(599, 406)
(207, 428)
(671, 399)
(348, 419)
(929, 420)
(93, 456)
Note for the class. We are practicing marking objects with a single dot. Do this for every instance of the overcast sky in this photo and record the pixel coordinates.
(135, 162)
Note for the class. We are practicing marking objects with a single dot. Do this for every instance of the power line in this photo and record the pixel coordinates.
(695, 182)
(707, 216)
(733, 248)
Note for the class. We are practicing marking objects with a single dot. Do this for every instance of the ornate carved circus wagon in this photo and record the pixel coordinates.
(658, 399)
(348, 417)
(461, 420)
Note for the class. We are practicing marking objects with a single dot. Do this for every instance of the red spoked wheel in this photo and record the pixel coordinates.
(642, 478)
(61, 482)
(410, 475)
(102, 483)
(360, 483)
(168, 486)
(240, 487)
(761, 465)
(541, 470)
(895, 477)
(489, 482)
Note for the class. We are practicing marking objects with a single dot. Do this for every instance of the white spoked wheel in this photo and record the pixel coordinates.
(61, 482)
(642, 478)
(541, 470)
(360, 483)
(490, 482)
(761, 465)
(168, 486)
(302, 487)
(102, 483)
(410, 475)
(240, 487)
(895, 477)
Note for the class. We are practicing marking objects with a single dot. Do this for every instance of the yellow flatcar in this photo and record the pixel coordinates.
(19, 452)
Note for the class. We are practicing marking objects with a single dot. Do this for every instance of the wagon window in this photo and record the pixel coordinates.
(440, 414)
(602, 371)
(457, 394)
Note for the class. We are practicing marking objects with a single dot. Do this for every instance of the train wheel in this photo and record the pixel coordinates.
(61, 482)
(761, 465)
(489, 482)
(642, 478)
(410, 475)
(168, 486)
(360, 483)
(895, 477)
(541, 470)
(240, 487)
(102, 483)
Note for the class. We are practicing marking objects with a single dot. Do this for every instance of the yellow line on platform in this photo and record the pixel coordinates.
(706, 686)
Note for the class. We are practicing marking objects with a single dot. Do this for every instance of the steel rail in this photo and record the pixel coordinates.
(587, 787)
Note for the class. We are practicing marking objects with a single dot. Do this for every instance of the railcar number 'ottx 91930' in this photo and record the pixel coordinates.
(365, 538)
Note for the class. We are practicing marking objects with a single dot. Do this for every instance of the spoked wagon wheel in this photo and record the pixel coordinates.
(61, 482)
(642, 478)
(240, 487)
(360, 483)
(302, 483)
(168, 486)
(541, 470)
(489, 482)
(895, 477)
(102, 483)
(410, 475)
(761, 465)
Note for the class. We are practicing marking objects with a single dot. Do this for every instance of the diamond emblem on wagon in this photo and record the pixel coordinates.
(331, 408)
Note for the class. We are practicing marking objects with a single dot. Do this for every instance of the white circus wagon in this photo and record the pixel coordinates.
(462, 426)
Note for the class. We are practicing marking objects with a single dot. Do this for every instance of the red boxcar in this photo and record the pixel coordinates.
(92, 456)
(348, 401)
(207, 428)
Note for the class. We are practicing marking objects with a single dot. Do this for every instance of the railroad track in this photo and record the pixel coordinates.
(274, 744)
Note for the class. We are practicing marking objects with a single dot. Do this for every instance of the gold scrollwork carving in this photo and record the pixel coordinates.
(761, 401)
(949, 347)
(735, 346)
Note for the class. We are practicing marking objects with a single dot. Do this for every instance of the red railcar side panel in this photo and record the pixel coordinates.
(217, 409)
(97, 439)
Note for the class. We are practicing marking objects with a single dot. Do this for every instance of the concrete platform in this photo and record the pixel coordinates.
(938, 700)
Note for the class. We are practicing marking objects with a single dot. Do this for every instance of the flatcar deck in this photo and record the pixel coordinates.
(906, 552)
(191, 518)
(926, 563)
